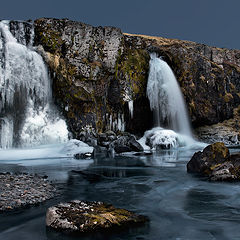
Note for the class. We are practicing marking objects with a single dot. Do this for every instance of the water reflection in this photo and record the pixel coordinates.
(167, 158)
(209, 205)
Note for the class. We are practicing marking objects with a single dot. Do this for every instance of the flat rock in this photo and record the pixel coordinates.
(20, 190)
(81, 216)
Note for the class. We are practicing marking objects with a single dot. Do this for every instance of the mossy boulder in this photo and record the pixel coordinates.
(216, 163)
(82, 217)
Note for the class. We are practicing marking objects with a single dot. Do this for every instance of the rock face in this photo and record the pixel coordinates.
(216, 163)
(97, 72)
(227, 131)
(79, 216)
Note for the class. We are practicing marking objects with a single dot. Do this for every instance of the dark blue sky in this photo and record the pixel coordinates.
(214, 22)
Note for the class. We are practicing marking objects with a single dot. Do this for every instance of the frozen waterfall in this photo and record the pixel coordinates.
(27, 115)
(166, 100)
(172, 128)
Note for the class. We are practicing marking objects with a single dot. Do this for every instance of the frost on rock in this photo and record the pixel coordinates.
(162, 138)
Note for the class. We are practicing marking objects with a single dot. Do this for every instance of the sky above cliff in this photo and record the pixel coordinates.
(213, 22)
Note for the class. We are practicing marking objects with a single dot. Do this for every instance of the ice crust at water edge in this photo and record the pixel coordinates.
(61, 150)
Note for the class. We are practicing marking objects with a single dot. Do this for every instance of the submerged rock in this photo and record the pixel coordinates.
(80, 216)
(216, 163)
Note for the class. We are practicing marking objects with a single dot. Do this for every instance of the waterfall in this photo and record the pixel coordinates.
(172, 128)
(27, 115)
(166, 100)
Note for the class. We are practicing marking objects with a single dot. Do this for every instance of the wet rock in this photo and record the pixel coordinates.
(80, 216)
(212, 155)
(223, 172)
(126, 143)
(143, 153)
(106, 138)
(216, 163)
(83, 155)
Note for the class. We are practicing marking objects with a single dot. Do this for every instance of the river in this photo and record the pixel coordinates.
(179, 205)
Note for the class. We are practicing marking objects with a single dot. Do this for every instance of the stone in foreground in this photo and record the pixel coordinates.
(216, 163)
(22, 189)
(80, 216)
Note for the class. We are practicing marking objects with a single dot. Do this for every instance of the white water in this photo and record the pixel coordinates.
(130, 108)
(28, 118)
(168, 106)
(166, 100)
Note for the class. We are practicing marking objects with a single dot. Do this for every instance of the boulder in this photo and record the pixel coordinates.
(82, 217)
(213, 154)
(126, 143)
(216, 163)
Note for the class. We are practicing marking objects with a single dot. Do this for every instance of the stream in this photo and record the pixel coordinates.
(179, 205)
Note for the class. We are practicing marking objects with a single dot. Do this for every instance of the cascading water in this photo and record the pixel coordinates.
(168, 106)
(166, 100)
(27, 115)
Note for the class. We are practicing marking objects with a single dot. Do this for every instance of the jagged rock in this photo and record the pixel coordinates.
(126, 143)
(106, 138)
(216, 163)
(80, 216)
(227, 131)
(224, 172)
(212, 155)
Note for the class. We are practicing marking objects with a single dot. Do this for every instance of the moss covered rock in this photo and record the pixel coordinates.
(82, 217)
(216, 163)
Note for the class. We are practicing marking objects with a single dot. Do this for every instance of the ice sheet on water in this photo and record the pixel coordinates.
(62, 150)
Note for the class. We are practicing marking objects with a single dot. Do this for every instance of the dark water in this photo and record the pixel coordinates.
(179, 205)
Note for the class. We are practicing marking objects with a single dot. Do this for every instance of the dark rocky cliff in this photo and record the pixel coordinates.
(96, 71)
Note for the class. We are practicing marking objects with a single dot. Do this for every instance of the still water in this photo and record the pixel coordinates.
(179, 205)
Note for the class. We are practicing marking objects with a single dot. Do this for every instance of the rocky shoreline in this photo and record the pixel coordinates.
(23, 189)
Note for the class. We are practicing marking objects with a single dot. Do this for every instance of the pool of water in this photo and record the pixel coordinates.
(179, 205)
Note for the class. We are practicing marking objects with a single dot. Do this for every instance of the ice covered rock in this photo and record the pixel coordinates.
(77, 148)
